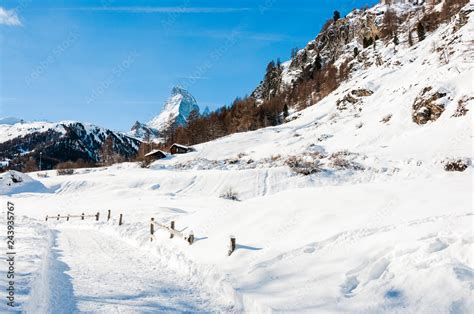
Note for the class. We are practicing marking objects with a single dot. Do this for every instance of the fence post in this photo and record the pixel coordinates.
(97, 216)
(58, 216)
(172, 228)
(152, 228)
(108, 215)
(82, 216)
(120, 220)
(191, 237)
(67, 219)
(232, 245)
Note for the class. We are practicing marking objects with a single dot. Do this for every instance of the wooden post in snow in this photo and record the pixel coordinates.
(58, 216)
(97, 216)
(120, 220)
(172, 228)
(190, 237)
(152, 228)
(67, 219)
(232, 245)
(46, 217)
(108, 215)
(82, 216)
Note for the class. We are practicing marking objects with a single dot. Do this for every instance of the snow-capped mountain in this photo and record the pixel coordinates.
(176, 110)
(59, 142)
(10, 120)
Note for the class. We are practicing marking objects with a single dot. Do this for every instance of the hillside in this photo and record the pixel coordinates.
(21, 144)
(365, 41)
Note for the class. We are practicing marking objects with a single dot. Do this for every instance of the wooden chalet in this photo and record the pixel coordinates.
(180, 149)
(155, 155)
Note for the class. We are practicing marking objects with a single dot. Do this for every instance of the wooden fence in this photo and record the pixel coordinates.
(189, 238)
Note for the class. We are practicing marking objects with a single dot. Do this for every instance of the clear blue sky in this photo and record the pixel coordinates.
(112, 62)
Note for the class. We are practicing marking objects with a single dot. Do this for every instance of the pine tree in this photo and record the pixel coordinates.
(390, 22)
(395, 39)
(294, 52)
(285, 111)
(356, 52)
(420, 29)
(318, 63)
(336, 15)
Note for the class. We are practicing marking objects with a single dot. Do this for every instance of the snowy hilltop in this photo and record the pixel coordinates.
(175, 112)
(21, 143)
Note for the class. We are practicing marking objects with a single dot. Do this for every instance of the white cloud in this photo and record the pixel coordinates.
(183, 9)
(9, 17)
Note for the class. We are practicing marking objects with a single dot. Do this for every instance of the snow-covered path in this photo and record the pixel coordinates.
(108, 275)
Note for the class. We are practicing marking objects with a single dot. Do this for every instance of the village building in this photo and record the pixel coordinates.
(155, 155)
(180, 149)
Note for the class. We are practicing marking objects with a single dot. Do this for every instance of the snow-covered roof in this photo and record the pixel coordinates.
(155, 151)
(181, 146)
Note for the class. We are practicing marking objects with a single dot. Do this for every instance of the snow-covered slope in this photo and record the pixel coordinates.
(176, 110)
(372, 114)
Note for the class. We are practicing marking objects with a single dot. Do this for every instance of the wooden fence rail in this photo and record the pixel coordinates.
(69, 216)
(82, 216)
(171, 229)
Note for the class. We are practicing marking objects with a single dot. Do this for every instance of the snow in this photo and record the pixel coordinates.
(394, 235)
(13, 182)
(9, 132)
(154, 152)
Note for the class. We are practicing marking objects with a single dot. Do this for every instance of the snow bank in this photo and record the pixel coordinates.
(31, 246)
(13, 182)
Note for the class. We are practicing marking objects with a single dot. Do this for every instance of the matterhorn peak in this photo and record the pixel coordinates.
(176, 110)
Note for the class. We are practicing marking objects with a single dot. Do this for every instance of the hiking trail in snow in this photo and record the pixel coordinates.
(109, 275)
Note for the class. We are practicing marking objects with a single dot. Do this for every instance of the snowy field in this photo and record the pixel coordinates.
(403, 244)
(379, 226)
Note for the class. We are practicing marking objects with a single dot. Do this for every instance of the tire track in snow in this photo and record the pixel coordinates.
(110, 275)
(187, 187)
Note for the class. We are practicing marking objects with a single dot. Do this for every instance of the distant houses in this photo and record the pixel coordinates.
(155, 155)
(180, 149)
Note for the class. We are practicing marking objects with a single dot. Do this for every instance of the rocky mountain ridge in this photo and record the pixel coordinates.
(22, 143)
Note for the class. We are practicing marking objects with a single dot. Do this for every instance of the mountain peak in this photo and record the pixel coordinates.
(10, 120)
(176, 109)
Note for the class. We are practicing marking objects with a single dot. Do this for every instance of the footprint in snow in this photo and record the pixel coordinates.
(378, 269)
(395, 298)
(155, 187)
(464, 273)
(437, 246)
(349, 286)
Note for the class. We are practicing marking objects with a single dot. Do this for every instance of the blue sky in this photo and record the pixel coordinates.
(112, 62)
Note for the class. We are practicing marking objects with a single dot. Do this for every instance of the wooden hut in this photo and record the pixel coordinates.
(180, 149)
(155, 155)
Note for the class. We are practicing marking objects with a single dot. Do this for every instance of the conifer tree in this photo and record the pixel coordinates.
(420, 29)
